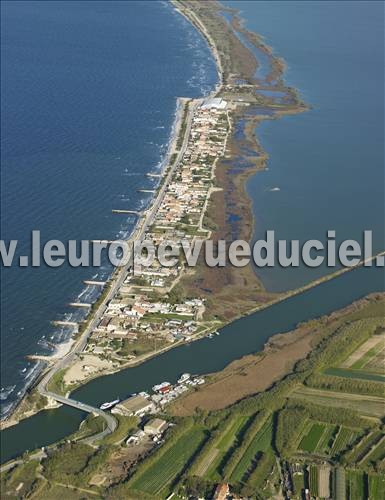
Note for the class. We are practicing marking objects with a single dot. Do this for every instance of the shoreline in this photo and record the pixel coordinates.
(164, 170)
(47, 361)
(165, 165)
(63, 348)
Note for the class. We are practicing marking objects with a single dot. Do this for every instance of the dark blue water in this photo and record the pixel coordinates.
(329, 161)
(88, 99)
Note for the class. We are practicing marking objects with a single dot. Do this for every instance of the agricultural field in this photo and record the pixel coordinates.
(375, 454)
(228, 437)
(373, 406)
(355, 485)
(263, 469)
(224, 445)
(327, 439)
(369, 356)
(209, 463)
(313, 480)
(339, 484)
(355, 374)
(158, 477)
(344, 438)
(373, 360)
(376, 363)
(376, 484)
(359, 452)
(365, 355)
(260, 443)
(310, 440)
(299, 484)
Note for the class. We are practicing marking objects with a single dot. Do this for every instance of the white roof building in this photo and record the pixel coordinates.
(214, 103)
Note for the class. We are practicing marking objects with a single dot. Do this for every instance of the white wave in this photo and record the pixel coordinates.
(5, 392)
(6, 409)
(23, 370)
(32, 372)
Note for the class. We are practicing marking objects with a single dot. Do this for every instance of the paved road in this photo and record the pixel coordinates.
(110, 420)
(115, 284)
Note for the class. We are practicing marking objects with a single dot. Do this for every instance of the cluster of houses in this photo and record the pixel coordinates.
(138, 405)
(154, 429)
(142, 404)
(131, 318)
(134, 313)
(186, 195)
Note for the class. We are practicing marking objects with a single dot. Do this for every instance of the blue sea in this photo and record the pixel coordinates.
(328, 163)
(88, 100)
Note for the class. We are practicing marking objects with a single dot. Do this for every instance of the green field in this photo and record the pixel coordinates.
(373, 406)
(376, 454)
(357, 374)
(355, 485)
(376, 486)
(313, 480)
(299, 485)
(344, 437)
(364, 446)
(368, 356)
(24, 475)
(224, 444)
(228, 437)
(264, 467)
(310, 441)
(327, 439)
(156, 479)
(339, 485)
(260, 442)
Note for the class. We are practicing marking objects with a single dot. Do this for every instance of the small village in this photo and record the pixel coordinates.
(143, 404)
(146, 314)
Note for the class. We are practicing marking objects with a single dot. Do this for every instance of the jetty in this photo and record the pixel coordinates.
(80, 304)
(154, 175)
(95, 283)
(105, 242)
(121, 211)
(146, 190)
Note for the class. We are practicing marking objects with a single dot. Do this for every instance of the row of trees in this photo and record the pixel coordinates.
(329, 382)
(249, 435)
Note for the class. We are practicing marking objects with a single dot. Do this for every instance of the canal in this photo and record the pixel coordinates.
(244, 336)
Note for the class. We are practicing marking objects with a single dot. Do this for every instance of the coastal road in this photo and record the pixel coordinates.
(115, 284)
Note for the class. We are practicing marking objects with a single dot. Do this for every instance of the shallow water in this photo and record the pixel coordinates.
(329, 161)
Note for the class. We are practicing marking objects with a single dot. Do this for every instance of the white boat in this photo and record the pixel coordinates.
(109, 404)
(183, 378)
